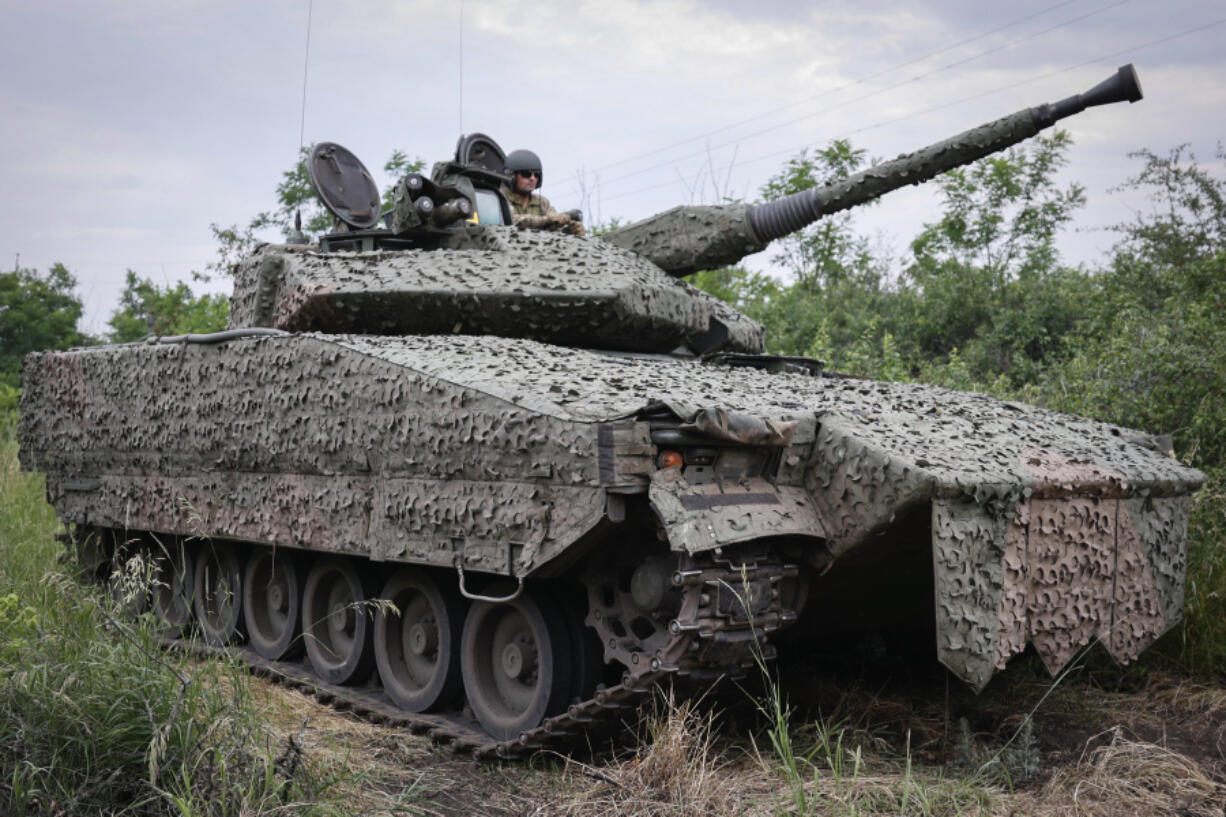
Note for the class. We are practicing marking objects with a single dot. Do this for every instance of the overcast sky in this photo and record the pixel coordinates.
(129, 127)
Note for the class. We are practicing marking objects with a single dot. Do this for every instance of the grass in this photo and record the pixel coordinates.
(1197, 645)
(831, 766)
(95, 719)
(1124, 776)
(676, 770)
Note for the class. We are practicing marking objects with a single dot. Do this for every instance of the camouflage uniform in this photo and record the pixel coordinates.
(536, 213)
(533, 204)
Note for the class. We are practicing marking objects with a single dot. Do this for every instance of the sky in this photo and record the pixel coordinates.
(130, 127)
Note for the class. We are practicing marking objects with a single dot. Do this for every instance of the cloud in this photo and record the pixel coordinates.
(134, 125)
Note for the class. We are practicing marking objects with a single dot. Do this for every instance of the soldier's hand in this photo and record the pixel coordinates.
(575, 225)
(557, 221)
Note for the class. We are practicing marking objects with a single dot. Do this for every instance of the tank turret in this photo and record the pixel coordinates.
(687, 239)
(468, 271)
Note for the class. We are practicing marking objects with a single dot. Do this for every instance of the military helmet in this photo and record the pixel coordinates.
(524, 160)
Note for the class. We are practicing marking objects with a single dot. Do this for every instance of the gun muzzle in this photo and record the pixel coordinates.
(1124, 85)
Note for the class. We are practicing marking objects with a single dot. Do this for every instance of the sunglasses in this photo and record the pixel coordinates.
(528, 174)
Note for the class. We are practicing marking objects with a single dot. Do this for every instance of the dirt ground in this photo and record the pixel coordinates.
(864, 742)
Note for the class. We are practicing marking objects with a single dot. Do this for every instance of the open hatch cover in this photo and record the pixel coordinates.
(344, 185)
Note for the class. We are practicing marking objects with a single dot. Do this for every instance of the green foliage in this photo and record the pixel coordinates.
(9, 395)
(145, 308)
(1151, 350)
(836, 305)
(1188, 219)
(1197, 645)
(985, 277)
(751, 292)
(606, 226)
(829, 252)
(36, 312)
(1159, 370)
(95, 718)
(397, 166)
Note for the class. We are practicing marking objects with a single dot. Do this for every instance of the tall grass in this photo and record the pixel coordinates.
(96, 719)
(1197, 645)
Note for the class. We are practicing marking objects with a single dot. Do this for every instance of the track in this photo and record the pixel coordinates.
(727, 612)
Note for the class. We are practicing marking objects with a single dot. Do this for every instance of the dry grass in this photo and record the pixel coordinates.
(677, 771)
(386, 770)
(684, 766)
(1192, 702)
(1127, 778)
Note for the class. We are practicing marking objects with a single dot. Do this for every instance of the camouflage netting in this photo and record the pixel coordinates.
(499, 280)
(1046, 528)
(687, 239)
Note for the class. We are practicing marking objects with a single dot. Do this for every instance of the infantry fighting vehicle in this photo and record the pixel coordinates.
(573, 475)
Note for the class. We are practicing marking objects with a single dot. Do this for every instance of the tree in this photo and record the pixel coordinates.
(1169, 250)
(836, 305)
(145, 308)
(985, 278)
(36, 312)
(1151, 351)
(828, 252)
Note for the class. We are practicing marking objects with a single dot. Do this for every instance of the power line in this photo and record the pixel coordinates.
(959, 101)
(853, 101)
(843, 87)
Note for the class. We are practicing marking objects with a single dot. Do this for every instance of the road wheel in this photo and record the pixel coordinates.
(417, 647)
(172, 586)
(516, 664)
(218, 593)
(336, 623)
(272, 603)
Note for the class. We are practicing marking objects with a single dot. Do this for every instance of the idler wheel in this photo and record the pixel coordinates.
(172, 585)
(217, 596)
(516, 663)
(336, 624)
(272, 603)
(417, 646)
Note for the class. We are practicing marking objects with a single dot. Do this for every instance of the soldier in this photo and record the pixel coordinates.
(530, 208)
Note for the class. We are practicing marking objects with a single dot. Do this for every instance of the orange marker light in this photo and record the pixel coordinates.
(671, 459)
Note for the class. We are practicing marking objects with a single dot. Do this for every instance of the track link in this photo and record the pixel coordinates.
(720, 632)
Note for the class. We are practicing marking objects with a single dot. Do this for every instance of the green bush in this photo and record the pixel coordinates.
(95, 718)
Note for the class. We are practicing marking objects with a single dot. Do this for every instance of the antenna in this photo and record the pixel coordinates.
(306, 62)
(461, 66)
(296, 237)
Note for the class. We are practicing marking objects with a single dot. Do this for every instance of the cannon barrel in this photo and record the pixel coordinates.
(687, 239)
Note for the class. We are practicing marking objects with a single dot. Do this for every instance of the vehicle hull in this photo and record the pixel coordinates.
(508, 456)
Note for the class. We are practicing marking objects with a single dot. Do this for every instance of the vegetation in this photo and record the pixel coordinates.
(36, 312)
(95, 719)
(147, 309)
(296, 204)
